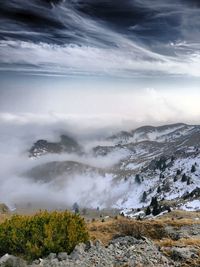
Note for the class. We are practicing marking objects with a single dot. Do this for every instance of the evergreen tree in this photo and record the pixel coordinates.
(162, 176)
(158, 190)
(148, 211)
(156, 208)
(75, 207)
(154, 202)
(178, 172)
(137, 179)
(175, 179)
(193, 169)
(184, 178)
(144, 196)
(172, 158)
(188, 181)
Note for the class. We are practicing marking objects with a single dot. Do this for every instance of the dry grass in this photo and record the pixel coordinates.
(154, 229)
(103, 231)
(167, 243)
(181, 214)
(182, 242)
(107, 230)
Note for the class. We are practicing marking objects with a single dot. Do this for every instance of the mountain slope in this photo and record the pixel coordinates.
(66, 144)
(161, 162)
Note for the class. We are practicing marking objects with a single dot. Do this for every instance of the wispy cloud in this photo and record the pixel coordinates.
(128, 59)
(77, 40)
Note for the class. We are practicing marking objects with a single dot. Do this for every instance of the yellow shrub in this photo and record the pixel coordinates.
(38, 235)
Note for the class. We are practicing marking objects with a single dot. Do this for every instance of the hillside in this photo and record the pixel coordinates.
(161, 162)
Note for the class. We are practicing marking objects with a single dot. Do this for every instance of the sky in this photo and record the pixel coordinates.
(100, 62)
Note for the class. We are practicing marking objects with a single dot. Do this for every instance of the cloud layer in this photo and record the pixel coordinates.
(101, 38)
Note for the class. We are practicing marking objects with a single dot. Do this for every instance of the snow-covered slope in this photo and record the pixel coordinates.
(151, 133)
(161, 162)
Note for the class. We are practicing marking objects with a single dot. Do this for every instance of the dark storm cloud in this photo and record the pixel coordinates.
(118, 36)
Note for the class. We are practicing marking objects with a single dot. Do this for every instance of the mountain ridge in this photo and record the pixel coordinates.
(158, 162)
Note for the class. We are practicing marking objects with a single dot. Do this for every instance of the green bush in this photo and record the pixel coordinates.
(36, 236)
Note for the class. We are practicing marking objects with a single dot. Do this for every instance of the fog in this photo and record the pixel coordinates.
(89, 117)
(17, 189)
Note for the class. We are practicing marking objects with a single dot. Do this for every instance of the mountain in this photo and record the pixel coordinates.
(66, 144)
(50, 171)
(150, 133)
(149, 162)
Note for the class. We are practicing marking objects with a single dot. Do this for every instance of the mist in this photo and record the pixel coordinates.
(17, 137)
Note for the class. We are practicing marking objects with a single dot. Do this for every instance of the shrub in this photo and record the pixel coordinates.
(36, 236)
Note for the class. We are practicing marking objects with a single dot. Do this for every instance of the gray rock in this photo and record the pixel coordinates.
(182, 254)
(78, 251)
(63, 256)
(51, 256)
(88, 245)
(123, 251)
(12, 261)
(172, 233)
(98, 243)
(126, 240)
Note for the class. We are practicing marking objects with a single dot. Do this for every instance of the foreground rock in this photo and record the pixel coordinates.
(123, 251)
(12, 261)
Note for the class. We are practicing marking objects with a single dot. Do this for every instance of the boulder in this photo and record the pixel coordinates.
(62, 256)
(11, 261)
(182, 254)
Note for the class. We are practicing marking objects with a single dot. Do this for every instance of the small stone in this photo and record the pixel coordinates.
(88, 245)
(62, 256)
(51, 256)
(98, 243)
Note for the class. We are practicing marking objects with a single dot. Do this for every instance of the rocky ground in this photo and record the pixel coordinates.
(170, 240)
(122, 251)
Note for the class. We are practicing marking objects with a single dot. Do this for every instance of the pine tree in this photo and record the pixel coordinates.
(137, 179)
(175, 179)
(162, 176)
(172, 158)
(193, 169)
(75, 208)
(154, 201)
(158, 189)
(144, 196)
(188, 181)
(148, 211)
(184, 178)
